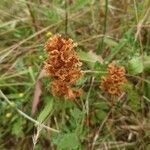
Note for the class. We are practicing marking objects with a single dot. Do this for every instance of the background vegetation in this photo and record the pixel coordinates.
(106, 31)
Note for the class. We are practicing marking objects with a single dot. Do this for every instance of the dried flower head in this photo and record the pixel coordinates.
(63, 89)
(112, 83)
(62, 65)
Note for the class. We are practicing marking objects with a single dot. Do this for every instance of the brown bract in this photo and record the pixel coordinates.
(63, 66)
(112, 83)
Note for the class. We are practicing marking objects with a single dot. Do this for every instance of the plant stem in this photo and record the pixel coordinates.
(101, 42)
(13, 105)
(66, 18)
(33, 18)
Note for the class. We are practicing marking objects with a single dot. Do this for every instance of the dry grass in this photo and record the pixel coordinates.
(106, 31)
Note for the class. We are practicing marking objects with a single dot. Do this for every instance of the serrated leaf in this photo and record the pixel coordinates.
(68, 141)
(135, 66)
(46, 111)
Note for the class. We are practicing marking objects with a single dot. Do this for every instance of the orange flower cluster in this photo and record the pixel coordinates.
(63, 66)
(113, 82)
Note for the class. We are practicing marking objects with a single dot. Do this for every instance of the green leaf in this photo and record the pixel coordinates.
(101, 105)
(147, 63)
(68, 141)
(110, 42)
(46, 111)
(147, 88)
(100, 114)
(89, 57)
(81, 81)
(133, 97)
(135, 66)
(76, 113)
(116, 50)
(101, 68)
(31, 72)
(17, 128)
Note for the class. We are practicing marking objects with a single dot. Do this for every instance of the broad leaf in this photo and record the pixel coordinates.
(69, 141)
(135, 66)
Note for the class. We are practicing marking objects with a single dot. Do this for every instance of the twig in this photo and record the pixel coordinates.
(25, 115)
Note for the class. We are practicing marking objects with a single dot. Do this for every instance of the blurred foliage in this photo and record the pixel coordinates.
(93, 121)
